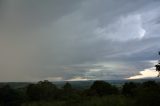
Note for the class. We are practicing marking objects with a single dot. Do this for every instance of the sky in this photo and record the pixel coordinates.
(78, 39)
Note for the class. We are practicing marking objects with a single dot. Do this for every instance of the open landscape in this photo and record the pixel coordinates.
(79, 52)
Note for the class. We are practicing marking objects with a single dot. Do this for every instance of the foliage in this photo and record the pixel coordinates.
(43, 90)
(102, 88)
(129, 89)
(100, 93)
(148, 94)
(10, 97)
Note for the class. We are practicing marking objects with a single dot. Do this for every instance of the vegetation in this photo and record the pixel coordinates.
(100, 93)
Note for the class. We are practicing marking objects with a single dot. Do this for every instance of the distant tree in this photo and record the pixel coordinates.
(68, 93)
(48, 90)
(67, 87)
(33, 92)
(102, 88)
(148, 94)
(129, 89)
(9, 96)
(148, 84)
(43, 90)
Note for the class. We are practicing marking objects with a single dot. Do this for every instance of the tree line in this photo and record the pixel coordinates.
(100, 93)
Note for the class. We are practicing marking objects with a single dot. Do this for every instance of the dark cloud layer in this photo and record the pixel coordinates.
(77, 40)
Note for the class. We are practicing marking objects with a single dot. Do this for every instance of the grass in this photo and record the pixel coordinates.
(113, 100)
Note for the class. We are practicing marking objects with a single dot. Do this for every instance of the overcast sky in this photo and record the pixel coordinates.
(77, 39)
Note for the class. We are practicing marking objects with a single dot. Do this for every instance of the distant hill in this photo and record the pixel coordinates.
(79, 84)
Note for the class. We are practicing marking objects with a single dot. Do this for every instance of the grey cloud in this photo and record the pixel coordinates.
(28, 14)
(57, 39)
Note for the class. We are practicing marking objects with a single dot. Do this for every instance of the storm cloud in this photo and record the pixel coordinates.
(77, 39)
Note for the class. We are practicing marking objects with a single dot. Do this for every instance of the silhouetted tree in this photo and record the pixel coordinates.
(129, 89)
(148, 94)
(67, 87)
(68, 93)
(43, 90)
(149, 84)
(9, 96)
(102, 88)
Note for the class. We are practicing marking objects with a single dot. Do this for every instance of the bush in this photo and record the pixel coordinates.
(10, 97)
(129, 89)
(148, 94)
(102, 88)
(43, 90)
